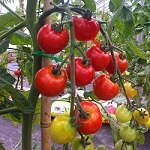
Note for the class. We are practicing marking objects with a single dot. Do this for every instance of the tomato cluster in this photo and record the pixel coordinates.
(97, 66)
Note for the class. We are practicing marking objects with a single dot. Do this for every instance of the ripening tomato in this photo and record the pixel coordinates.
(51, 41)
(121, 145)
(123, 114)
(61, 130)
(84, 73)
(17, 72)
(141, 115)
(93, 122)
(77, 144)
(85, 29)
(50, 82)
(122, 64)
(131, 92)
(99, 59)
(127, 133)
(104, 88)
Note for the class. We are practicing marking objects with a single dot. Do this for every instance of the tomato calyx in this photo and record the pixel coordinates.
(86, 62)
(57, 27)
(56, 71)
(142, 114)
(84, 141)
(87, 14)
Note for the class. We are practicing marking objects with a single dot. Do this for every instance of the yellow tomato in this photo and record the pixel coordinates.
(131, 92)
(141, 115)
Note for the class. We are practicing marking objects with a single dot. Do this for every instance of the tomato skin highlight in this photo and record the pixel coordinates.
(61, 130)
(99, 59)
(91, 124)
(127, 133)
(50, 41)
(122, 64)
(85, 30)
(104, 88)
(83, 74)
(122, 114)
(49, 84)
(76, 145)
(139, 118)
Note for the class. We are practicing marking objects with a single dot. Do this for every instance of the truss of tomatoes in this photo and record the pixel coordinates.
(53, 38)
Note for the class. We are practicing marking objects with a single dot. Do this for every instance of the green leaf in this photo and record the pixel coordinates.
(148, 106)
(141, 138)
(1, 146)
(114, 18)
(19, 99)
(90, 4)
(4, 46)
(19, 38)
(116, 3)
(6, 76)
(136, 49)
(8, 20)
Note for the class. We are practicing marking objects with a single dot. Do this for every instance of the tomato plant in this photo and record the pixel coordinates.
(17, 72)
(49, 38)
(104, 88)
(61, 130)
(50, 81)
(85, 29)
(84, 72)
(127, 133)
(99, 59)
(141, 115)
(78, 145)
(131, 92)
(123, 114)
(121, 145)
(122, 63)
(90, 123)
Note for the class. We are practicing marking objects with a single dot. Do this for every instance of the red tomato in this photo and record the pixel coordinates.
(104, 88)
(84, 74)
(93, 122)
(85, 30)
(99, 59)
(17, 72)
(122, 64)
(50, 41)
(48, 83)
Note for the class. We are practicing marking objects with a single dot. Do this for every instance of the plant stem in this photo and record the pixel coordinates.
(9, 110)
(30, 22)
(11, 11)
(16, 28)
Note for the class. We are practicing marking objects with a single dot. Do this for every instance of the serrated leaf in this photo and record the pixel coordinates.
(6, 76)
(114, 18)
(8, 20)
(90, 4)
(19, 38)
(4, 46)
(116, 3)
(126, 14)
(136, 49)
(19, 99)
